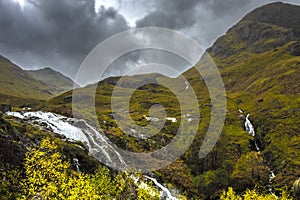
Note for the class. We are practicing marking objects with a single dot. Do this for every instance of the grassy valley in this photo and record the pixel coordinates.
(259, 60)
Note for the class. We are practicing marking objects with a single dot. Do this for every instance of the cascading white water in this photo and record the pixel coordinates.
(79, 130)
(76, 164)
(249, 127)
(165, 191)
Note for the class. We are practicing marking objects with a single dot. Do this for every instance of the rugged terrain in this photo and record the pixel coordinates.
(259, 60)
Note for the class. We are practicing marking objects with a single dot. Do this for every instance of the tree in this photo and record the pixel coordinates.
(250, 171)
(230, 195)
(103, 183)
(49, 177)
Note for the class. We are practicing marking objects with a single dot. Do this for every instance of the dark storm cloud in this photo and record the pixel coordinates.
(199, 15)
(170, 14)
(55, 33)
(204, 20)
(179, 14)
(60, 33)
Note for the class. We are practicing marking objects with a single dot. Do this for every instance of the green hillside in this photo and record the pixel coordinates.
(58, 82)
(260, 65)
(17, 87)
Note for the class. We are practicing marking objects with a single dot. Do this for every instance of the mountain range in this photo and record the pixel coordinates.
(259, 61)
(20, 87)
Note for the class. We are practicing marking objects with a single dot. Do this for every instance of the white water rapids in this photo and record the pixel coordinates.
(79, 130)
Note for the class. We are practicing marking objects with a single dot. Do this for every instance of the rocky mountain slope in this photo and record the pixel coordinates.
(263, 29)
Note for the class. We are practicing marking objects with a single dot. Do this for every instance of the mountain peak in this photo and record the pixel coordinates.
(264, 29)
(46, 69)
(53, 78)
(279, 14)
(19, 87)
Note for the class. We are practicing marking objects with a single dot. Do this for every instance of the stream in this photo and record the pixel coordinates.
(249, 128)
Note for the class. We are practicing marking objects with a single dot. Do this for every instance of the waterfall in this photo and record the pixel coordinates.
(165, 194)
(79, 130)
(76, 164)
(249, 128)
(165, 191)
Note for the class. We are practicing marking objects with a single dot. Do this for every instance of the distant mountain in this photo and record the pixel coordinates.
(54, 79)
(132, 81)
(259, 60)
(19, 87)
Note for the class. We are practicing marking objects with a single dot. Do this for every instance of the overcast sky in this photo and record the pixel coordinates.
(60, 33)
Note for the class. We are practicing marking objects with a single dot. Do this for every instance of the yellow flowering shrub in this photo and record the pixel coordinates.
(49, 177)
(252, 195)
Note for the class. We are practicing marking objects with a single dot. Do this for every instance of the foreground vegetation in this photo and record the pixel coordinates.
(252, 195)
(48, 176)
